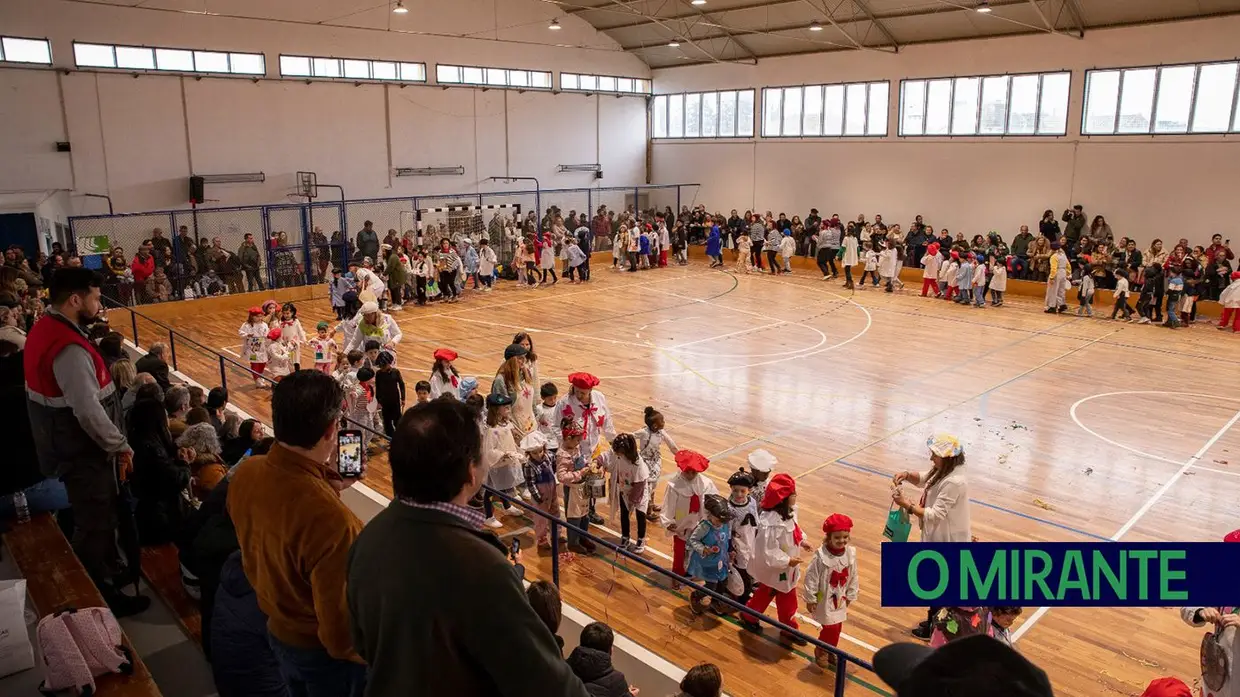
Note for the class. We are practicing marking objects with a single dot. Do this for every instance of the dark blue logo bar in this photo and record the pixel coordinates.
(1060, 574)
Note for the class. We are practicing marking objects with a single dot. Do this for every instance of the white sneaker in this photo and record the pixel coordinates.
(493, 523)
(513, 510)
(640, 547)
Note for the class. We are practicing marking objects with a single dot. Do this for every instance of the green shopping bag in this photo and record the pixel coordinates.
(898, 525)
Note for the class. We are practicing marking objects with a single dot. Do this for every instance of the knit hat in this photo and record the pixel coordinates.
(691, 460)
(762, 461)
(515, 350)
(322, 325)
(781, 487)
(445, 354)
(533, 440)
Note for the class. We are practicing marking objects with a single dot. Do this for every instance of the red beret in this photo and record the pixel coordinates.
(781, 487)
(1233, 536)
(256, 310)
(583, 381)
(445, 354)
(573, 428)
(956, 254)
(274, 334)
(688, 460)
(1167, 687)
(836, 522)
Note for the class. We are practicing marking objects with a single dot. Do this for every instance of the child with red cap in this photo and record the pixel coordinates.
(254, 342)
(1229, 299)
(1167, 687)
(952, 270)
(585, 405)
(831, 583)
(445, 379)
(775, 566)
(930, 270)
(279, 354)
(682, 502)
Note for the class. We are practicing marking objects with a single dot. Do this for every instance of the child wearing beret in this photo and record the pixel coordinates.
(831, 584)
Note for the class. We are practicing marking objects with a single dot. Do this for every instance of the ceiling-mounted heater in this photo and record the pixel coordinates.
(596, 168)
(242, 178)
(458, 170)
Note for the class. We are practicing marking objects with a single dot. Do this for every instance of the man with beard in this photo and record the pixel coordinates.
(75, 414)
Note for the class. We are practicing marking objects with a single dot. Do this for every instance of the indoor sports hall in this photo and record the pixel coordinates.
(215, 159)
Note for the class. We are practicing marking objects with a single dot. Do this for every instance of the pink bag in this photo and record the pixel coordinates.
(78, 645)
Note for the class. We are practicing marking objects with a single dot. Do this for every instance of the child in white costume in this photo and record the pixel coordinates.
(279, 355)
(445, 379)
(831, 583)
(630, 490)
(500, 456)
(254, 342)
(682, 502)
(744, 531)
(761, 464)
(776, 566)
(291, 331)
(648, 441)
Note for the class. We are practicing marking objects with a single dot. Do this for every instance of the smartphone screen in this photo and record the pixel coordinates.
(350, 452)
(514, 548)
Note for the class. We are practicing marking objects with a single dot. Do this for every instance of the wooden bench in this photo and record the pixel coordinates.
(55, 580)
(161, 567)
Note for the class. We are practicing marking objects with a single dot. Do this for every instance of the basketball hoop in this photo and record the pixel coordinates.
(308, 185)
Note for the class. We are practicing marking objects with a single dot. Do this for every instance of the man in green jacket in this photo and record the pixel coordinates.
(248, 256)
(436, 606)
(397, 275)
(1074, 225)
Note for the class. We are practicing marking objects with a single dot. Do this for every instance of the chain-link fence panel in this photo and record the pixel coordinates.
(507, 223)
(287, 239)
(110, 243)
(386, 216)
(327, 241)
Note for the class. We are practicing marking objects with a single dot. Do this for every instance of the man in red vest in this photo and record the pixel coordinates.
(76, 416)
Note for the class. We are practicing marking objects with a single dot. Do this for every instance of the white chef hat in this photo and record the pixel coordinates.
(762, 461)
(533, 441)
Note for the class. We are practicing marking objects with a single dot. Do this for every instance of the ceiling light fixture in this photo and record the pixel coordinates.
(983, 7)
(815, 26)
(674, 43)
(555, 25)
(400, 8)
(698, 2)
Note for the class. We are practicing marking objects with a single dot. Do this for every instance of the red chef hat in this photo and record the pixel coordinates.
(956, 254)
(933, 249)
(1167, 687)
(582, 381)
(274, 334)
(688, 460)
(1235, 275)
(781, 487)
(836, 522)
(445, 354)
(1233, 536)
(256, 310)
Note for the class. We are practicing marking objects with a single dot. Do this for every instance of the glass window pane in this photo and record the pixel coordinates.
(964, 106)
(912, 106)
(624, 84)
(994, 106)
(540, 79)
(447, 73)
(1101, 101)
(876, 122)
(132, 57)
(792, 111)
(607, 84)
(356, 69)
(415, 72)
(27, 50)
(210, 62)
(811, 120)
(772, 106)
(643, 86)
(471, 76)
(568, 81)
(248, 63)
(693, 115)
(519, 78)
(1053, 111)
(94, 56)
(727, 114)
(1175, 99)
(1023, 105)
(326, 67)
(938, 107)
(710, 115)
(382, 70)
(495, 76)
(587, 82)
(173, 59)
(1136, 106)
(676, 116)
(1216, 88)
(744, 114)
(854, 110)
(295, 66)
(660, 116)
(833, 111)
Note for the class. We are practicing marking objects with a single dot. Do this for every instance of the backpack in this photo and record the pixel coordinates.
(77, 646)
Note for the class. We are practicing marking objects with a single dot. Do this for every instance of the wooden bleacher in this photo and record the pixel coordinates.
(57, 580)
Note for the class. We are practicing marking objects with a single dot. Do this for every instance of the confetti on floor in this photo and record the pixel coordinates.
(1043, 505)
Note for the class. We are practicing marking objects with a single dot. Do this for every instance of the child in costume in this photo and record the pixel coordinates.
(964, 279)
(831, 584)
(486, 264)
(708, 552)
(787, 247)
(292, 333)
(538, 470)
(947, 273)
(279, 355)
(389, 392)
(979, 281)
(445, 379)
(952, 270)
(1175, 289)
(930, 264)
(998, 280)
(888, 266)
(1057, 280)
(776, 566)
(1229, 300)
(254, 342)
(574, 471)
(648, 441)
(870, 256)
(271, 313)
(469, 386)
(744, 529)
(324, 347)
(360, 404)
(1085, 290)
(500, 456)
(761, 464)
(744, 262)
(682, 502)
(1121, 296)
(585, 405)
(630, 488)
(546, 418)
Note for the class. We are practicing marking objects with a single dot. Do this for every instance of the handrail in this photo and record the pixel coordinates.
(843, 658)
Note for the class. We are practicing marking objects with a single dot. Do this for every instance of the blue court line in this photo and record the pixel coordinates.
(1061, 526)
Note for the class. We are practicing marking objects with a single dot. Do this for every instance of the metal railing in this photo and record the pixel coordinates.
(843, 659)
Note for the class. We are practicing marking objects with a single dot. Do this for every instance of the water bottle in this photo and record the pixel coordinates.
(21, 507)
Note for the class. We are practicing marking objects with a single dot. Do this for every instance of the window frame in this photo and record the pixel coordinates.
(596, 90)
(340, 63)
(843, 134)
(227, 53)
(1007, 115)
(1233, 116)
(530, 72)
(51, 58)
(736, 125)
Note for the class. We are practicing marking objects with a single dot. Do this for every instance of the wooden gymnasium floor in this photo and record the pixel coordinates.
(1075, 429)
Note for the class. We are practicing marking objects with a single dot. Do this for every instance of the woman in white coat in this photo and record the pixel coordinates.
(370, 323)
(943, 510)
(776, 564)
(850, 259)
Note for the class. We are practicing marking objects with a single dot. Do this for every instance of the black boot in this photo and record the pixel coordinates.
(124, 605)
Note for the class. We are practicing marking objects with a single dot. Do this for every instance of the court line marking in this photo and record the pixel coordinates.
(949, 407)
(1145, 508)
(1218, 471)
(1072, 412)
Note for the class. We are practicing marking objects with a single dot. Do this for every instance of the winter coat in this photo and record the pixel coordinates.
(596, 671)
(242, 662)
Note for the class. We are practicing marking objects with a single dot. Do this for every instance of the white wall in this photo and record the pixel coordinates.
(1146, 187)
(138, 139)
